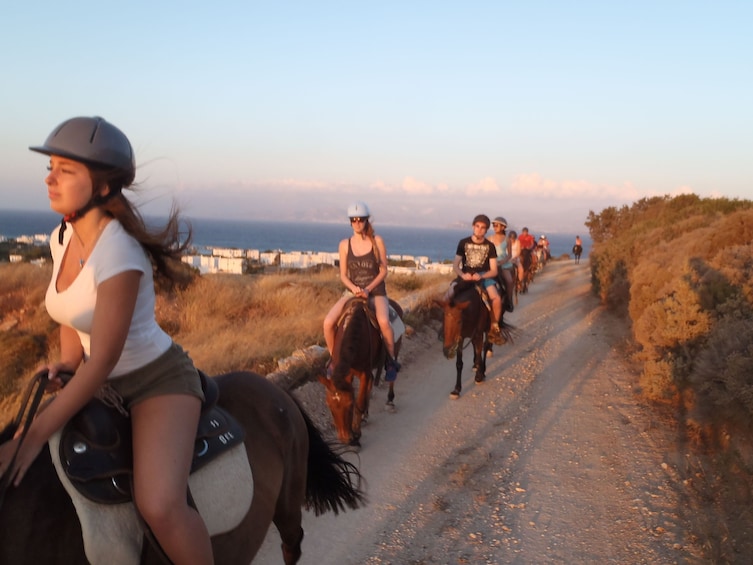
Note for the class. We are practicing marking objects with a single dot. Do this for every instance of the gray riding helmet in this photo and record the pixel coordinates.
(93, 141)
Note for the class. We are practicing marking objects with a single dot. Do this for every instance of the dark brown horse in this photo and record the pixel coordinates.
(292, 466)
(466, 317)
(529, 261)
(357, 352)
(577, 252)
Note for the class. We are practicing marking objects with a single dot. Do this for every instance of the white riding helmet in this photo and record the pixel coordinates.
(358, 210)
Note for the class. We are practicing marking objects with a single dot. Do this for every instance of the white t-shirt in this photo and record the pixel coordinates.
(515, 251)
(115, 252)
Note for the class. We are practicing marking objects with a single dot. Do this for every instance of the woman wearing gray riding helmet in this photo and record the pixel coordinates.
(363, 268)
(102, 295)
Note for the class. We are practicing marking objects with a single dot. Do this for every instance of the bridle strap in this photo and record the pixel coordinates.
(39, 381)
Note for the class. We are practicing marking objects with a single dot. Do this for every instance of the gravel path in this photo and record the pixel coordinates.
(551, 460)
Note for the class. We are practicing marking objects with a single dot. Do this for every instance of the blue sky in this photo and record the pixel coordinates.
(430, 112)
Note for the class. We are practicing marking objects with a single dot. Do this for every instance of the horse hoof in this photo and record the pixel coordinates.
(480, 380)
(390, 406)
(455, 394)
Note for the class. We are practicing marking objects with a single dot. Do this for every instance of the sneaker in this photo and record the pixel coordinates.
(495, 336)
(391, 367)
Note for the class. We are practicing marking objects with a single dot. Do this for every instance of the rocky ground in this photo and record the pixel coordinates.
(552, 460)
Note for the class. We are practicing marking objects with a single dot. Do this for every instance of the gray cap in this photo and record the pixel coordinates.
(93, 141)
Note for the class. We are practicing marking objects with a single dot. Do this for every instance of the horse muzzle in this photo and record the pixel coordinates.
(449, 352)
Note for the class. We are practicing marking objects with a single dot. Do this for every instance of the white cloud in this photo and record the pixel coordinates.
(486, 185)
(414, 186)
(535, 185)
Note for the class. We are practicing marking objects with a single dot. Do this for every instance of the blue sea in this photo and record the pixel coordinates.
(438, 244)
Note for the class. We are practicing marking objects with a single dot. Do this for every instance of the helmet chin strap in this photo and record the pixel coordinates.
(73, 216)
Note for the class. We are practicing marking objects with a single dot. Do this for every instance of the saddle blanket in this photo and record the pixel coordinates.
(222, 492)
(398, 327)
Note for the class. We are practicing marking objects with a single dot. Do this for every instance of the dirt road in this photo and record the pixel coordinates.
(551, 460)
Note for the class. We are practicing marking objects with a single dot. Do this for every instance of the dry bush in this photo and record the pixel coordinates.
(684, 267)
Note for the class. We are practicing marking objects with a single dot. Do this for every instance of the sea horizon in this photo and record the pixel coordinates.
(438, 244)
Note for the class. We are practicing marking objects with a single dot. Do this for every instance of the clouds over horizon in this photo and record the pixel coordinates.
(528, 185)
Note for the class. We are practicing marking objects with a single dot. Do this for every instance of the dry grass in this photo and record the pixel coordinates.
(225, 322)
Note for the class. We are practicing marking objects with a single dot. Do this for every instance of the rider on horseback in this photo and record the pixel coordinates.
(475, 261)
(363, 268)
(504, 260)
(102, 293)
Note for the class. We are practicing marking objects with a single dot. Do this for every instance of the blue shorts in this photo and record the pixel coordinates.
(487, 282)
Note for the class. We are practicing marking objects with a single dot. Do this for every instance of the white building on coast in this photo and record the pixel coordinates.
(237, 261)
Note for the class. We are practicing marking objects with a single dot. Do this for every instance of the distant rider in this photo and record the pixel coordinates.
(505, 266)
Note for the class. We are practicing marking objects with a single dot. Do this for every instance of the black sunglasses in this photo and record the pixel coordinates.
(359, 219)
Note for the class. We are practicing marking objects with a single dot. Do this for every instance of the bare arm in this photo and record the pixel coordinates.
(116, 300)
(492, 272)
(343, 251)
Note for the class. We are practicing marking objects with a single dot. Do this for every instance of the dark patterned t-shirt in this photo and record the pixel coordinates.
(476, 256)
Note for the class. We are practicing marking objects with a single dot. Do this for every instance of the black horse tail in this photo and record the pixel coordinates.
(332, 483)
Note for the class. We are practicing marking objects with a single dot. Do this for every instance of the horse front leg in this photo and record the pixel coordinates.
(361, 407)
(480, 348)
(391, 398)
(459, 368)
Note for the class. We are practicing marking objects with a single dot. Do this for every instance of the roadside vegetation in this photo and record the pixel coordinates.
(225, 322)
(680, 271)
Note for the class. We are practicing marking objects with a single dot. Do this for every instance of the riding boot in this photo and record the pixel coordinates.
(509, 304)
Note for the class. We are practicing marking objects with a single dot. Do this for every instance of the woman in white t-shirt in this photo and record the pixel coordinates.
(102, 295)
(515, 253)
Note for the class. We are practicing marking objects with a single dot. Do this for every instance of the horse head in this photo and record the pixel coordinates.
(453, 326)
(341, 403)
(357, 345)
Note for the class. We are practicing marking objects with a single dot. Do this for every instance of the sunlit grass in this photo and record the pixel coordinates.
(225, 322)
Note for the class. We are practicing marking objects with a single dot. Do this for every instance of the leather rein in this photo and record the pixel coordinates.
(37, 385)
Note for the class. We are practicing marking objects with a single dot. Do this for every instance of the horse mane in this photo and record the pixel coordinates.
(355, 329)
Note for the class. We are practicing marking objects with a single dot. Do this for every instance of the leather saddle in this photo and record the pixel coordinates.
(395, 311)
(96, 451)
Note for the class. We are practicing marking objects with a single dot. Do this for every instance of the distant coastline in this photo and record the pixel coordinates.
(438, 244)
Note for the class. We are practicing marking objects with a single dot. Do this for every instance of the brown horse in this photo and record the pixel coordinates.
(292, 467)
(530, 263)
(577, 252)
(466, 317)
(358, 350)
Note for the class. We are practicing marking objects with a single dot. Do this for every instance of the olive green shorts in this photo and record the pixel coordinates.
(173, 372)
